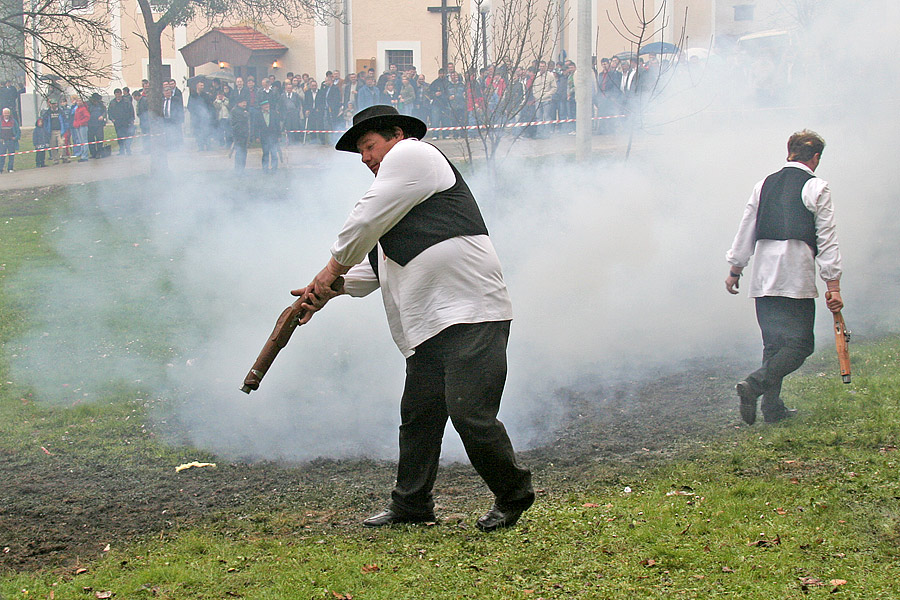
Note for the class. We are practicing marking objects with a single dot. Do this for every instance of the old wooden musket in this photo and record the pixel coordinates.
(842, 343)
(284, 327)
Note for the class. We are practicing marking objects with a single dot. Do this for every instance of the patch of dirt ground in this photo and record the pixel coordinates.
(56, 510)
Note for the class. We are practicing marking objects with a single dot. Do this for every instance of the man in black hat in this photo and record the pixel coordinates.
(418, 234)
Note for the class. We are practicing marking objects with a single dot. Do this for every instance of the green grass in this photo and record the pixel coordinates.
(785, 511)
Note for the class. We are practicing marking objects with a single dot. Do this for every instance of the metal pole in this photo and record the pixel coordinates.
(584, 106)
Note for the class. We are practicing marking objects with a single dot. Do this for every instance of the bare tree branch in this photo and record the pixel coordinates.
(518, 33)
(65, 42)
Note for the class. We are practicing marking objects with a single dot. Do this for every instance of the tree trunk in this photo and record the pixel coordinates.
(159, 163)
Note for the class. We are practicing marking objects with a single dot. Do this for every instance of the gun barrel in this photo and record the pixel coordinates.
(284, 328)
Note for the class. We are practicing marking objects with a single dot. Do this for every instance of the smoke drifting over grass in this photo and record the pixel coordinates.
(616, 268)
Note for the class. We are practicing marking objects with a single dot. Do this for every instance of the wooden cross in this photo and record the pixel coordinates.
(444, 10)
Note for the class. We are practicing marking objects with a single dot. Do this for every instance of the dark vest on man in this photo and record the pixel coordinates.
(447, 214)
(782, 214)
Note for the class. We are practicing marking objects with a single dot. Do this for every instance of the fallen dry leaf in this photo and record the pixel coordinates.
(781, 511)
(590, 505)
(81, 570)
(47, 452)
(727, 570)
(837, 582)
(104, 595)
(679, 493)
(808, 582)
(373, 568)
(766, 543)
(341, 596)
(648, 562)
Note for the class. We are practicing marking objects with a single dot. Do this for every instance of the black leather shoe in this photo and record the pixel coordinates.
(781, 415)
(748, 402)
(389, 517)
(499, 517)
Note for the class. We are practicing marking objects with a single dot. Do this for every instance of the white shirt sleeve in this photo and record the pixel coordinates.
(410, 172)
(360, 280)
(744, 243)
(817, 198)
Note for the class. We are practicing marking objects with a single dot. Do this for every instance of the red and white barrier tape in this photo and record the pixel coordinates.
(456, 128)
(129, 137)
(467, 127)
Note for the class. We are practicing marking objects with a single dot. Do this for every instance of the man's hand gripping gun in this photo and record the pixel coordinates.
(284, 328)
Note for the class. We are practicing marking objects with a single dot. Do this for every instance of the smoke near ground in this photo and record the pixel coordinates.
(615, 267)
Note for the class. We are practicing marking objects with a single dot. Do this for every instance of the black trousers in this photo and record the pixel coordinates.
(458, 374)
(787, 332)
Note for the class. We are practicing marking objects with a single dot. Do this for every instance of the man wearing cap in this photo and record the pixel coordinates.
(418, 234)
(55, 125)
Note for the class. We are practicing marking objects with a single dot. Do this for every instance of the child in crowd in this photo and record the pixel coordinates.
(347, 115)
(41, 141)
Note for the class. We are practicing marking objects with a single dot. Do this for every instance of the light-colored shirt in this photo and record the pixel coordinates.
(458, 280)
(787, 267)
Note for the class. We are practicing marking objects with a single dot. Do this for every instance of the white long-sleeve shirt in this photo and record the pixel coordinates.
(787, 267)
(455, 281)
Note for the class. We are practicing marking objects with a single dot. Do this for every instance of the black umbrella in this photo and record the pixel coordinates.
(659, 48)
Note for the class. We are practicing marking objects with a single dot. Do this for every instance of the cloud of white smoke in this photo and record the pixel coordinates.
(615, 267)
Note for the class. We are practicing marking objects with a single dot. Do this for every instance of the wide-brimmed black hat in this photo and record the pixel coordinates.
(375, 117)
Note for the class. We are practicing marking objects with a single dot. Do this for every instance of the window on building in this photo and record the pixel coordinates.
(79, 5)
(743, 12)
(402, 58)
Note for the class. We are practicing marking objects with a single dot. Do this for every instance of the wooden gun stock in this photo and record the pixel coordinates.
(284, 327)
(842, 343)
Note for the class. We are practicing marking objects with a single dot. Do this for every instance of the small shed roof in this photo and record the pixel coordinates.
(235, 45)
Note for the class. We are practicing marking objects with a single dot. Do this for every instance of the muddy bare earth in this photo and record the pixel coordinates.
(58, 510)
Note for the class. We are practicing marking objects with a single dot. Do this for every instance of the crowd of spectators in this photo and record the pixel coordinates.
(300, 110)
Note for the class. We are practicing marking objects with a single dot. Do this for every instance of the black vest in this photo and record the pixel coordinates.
(782, 214)
(448, 214)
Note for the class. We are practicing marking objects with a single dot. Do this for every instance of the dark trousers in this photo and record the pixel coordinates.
(269, 154)
(458, 374)
(787, 332)
(240, 154)
(95, 139)
(124, 130)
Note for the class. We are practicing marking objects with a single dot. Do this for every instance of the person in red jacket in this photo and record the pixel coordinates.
(79, 129)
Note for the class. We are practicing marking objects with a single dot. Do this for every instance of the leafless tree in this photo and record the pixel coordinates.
(58, 40)
(160, 14)
(506, 40)
(802, 12)
(638, 28)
